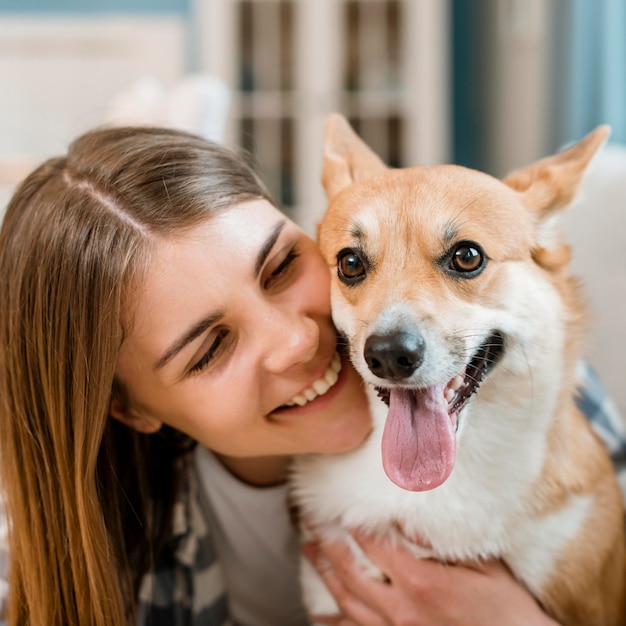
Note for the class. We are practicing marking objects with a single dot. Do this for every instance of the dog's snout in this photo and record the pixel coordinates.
(394, 356)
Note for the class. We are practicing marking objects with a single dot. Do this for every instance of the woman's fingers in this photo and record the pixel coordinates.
(421, 591)
(352, 588)
(399, 553)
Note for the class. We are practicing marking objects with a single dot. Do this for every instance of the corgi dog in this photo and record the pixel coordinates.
(451, 289)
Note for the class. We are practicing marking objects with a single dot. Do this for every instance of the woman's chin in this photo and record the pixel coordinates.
(346, 436)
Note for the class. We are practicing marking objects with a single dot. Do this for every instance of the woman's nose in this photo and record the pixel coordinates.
(290, 340)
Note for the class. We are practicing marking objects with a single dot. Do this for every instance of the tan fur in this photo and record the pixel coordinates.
(586, 587)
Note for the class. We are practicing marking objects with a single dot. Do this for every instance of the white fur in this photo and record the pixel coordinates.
(479, 511)
(540, 544)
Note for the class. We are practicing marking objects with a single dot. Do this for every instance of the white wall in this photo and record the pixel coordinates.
(595, 226)
(59, 74)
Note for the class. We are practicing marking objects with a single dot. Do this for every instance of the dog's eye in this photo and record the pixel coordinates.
(467, 258)
(350, 266)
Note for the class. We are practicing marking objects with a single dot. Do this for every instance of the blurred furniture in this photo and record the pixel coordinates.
(383, 63)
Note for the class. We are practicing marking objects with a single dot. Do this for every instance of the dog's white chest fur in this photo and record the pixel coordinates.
(479, 512)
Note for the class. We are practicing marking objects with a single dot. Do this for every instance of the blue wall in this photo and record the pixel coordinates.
(591, 64)
(468, 121)
(588, 66)
(95, 6)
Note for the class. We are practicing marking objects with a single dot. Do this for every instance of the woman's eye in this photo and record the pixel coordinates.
(350, 266)
(467, 258)
(282, 269)
(214, 350)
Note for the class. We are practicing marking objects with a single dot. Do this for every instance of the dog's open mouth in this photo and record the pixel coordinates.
(461, 388)
(419, 437)
(476, 371)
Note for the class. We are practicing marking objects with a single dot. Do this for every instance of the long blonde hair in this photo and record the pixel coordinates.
(89, 500)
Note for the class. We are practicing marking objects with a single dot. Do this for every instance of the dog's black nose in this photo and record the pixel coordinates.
(395, 356)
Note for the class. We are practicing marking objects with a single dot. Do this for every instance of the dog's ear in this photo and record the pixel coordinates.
(551, 184)
(346, 156)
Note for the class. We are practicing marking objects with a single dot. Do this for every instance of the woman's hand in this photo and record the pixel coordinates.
(420, 592)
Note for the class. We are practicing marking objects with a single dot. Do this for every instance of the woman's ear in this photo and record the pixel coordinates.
(135, 418)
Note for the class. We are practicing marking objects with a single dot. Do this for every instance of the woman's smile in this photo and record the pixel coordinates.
(320, 386)
(245, 350)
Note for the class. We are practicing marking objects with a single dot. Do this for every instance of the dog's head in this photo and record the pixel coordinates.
(439, 273)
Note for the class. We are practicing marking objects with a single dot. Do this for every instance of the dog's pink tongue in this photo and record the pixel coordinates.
(419, 441)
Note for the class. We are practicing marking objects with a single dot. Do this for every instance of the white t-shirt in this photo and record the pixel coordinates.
(256, 544)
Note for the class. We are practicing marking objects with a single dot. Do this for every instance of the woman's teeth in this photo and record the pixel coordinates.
(320, 386)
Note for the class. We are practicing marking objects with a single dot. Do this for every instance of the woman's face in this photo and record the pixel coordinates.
(232, 341)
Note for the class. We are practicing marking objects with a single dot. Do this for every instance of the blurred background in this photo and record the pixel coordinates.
(490, 84)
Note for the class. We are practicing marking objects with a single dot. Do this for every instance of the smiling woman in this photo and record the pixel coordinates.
(155, 297)
(259, 322)
(149, 277)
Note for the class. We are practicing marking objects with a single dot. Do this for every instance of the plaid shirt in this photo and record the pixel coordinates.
(186, 587)
(605, 418)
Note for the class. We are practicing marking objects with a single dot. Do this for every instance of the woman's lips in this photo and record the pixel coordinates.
(319, 387)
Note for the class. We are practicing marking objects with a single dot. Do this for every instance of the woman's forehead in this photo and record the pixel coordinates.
(202, 268)
(251, 215)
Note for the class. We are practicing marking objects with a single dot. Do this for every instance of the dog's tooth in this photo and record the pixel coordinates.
(456, 382)
(449, 395)
(310, 394)
(335, 364)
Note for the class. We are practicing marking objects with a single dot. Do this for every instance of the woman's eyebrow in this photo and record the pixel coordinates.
(267, 246)
(199, 327)
(192, 333)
